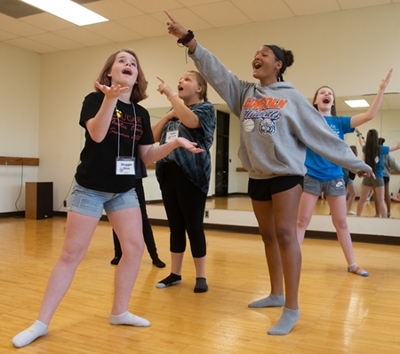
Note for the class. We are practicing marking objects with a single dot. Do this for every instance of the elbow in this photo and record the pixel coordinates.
(96, 138)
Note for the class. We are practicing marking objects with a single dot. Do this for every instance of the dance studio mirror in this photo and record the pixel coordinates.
(386, 122)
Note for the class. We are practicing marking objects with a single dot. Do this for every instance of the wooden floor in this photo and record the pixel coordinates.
(340, 312)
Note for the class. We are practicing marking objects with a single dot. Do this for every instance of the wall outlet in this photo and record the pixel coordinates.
(207, 214)
(65, 203)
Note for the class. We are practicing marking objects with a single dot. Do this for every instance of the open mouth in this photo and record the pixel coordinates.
(257, 65)
(326, 100)
(127, 72)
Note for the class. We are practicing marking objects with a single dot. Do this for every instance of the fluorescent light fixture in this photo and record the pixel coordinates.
(357, 103)
(68, 10)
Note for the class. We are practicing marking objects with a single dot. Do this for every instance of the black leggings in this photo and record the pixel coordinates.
(184, 205)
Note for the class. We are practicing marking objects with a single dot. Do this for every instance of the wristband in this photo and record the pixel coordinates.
(171, 96)
(189, 36)
(359, 134)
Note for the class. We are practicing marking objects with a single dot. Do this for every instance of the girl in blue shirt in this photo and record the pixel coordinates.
(325, 176)
(374, 156)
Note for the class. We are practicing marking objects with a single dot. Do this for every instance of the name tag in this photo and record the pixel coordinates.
(172, 135)
(125, 166)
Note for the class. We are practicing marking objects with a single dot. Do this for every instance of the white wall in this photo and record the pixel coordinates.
(349, 50)
(19, 117)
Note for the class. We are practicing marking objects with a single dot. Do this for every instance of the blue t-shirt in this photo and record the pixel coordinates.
(319, 167)
(380, 160)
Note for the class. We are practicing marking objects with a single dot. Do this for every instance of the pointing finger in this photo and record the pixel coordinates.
(169, 15)
(159, 78)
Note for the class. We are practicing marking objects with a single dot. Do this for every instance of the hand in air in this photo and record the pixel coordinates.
(174, 27)
(189, 145)
(111, 91)
(164, 88)
(385, 82)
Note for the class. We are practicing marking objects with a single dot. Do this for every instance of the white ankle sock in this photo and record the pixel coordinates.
(27, 336)
(127, 318)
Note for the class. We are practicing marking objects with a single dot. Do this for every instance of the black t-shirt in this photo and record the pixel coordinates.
(98, 160)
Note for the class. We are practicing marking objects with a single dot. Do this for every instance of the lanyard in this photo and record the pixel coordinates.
(119, 132)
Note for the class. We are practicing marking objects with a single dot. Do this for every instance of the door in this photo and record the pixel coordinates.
(222, 158)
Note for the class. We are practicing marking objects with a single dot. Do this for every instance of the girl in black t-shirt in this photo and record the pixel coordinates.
(115, 126)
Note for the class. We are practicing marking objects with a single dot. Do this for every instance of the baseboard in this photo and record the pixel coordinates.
(13, 214)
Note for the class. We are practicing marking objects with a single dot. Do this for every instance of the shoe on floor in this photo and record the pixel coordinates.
(158, 263)
(115, 260)
(351, 212)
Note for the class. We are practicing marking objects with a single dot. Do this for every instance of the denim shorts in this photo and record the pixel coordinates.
(333, 187)
(90, 202)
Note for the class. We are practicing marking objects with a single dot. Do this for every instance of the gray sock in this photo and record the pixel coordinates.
(269, 301)
(286, 322)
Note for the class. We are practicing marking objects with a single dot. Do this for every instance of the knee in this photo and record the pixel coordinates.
(134, 246)
(71, 256)
(302, 222)
(286, 237)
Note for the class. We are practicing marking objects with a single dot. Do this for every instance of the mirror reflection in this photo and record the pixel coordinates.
(228, 188)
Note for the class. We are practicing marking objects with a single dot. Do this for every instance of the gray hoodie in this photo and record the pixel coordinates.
(277, 122)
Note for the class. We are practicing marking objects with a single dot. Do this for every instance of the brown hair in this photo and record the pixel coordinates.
(333, 108)
(139, 89)
(203, 83)
(372, 148)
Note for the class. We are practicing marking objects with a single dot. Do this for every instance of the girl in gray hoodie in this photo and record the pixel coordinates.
(277, 122)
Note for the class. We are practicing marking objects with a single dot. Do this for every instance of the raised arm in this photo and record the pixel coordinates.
(185, 37)
(362, 118)
(392, 164)
(395, 147)
(360, 137)
(185, 115)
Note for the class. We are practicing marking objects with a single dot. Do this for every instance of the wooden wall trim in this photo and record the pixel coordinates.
(19, 161)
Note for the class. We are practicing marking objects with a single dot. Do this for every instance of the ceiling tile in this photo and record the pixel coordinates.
(353, 4)
(56, 41)
(4, 35)
(221, 14)
(47, 22)
(309, 7)
(145, 25)
(151, 6)
(113, 9)
(114, 31)
(189, 3)
(135, 19)
(262, 10)
(30, 45)
(17, 27)
(17, 9)
(82, 35)
(186, 17)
